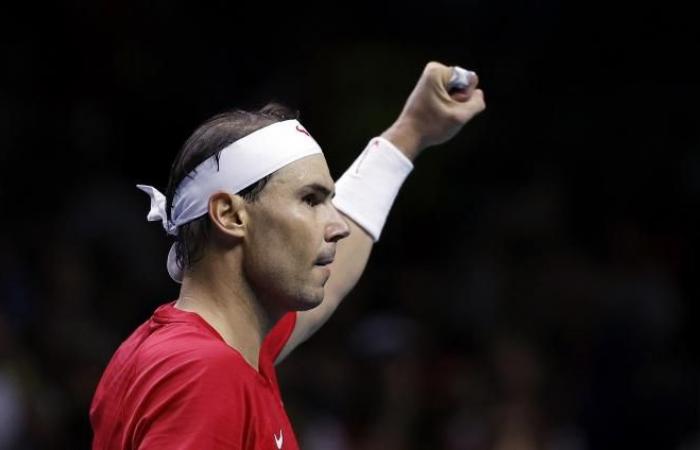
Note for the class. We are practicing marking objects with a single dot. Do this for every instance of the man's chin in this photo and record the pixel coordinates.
(310, 301)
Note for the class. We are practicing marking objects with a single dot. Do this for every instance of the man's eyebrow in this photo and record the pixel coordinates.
(322, 189)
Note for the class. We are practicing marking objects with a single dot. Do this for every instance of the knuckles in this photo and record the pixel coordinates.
(432, 68)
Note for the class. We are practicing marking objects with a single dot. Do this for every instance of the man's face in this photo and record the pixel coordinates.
(291, 237)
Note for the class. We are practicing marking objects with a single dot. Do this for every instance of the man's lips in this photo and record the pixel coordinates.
(325, 260)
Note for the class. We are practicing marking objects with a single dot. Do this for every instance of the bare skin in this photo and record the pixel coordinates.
(291, 250)
(266, 257)
(430, 117)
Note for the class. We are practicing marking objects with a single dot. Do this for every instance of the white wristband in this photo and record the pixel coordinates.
(367, 190)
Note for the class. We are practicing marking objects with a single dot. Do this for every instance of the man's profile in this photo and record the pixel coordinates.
(266, 246)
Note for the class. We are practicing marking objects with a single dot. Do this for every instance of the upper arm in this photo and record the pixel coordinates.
(306, 324)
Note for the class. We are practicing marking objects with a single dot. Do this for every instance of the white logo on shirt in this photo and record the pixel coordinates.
(279, 440)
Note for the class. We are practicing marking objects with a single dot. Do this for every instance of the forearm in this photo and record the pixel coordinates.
(365, 193)
(403, 135)
(353, 252)
(351, 257)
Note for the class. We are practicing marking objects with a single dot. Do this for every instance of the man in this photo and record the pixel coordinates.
(264, 256)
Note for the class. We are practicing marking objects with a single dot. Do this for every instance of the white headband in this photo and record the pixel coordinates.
(240, 165)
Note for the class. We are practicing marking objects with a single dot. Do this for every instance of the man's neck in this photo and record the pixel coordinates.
(229, 305)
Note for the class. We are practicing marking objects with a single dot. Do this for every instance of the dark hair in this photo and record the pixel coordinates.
(207, 140)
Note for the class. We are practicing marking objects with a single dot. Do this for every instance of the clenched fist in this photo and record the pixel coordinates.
(434, 113)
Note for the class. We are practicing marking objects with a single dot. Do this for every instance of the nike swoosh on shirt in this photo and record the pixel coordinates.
(279, 440)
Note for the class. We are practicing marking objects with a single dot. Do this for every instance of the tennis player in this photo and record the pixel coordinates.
(266, 247)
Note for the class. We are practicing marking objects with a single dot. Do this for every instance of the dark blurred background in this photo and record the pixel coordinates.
(535, 286)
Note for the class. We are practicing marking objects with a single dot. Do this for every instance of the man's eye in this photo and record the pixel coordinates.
(311, 200)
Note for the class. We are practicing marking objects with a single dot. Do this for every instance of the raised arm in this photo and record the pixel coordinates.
(433, 114)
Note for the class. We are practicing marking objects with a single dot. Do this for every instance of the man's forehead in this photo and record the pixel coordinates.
(309, 170)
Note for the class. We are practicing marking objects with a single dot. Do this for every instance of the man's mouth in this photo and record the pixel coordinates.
(325, 260)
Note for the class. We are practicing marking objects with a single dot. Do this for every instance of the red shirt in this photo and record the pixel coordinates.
(175, 384)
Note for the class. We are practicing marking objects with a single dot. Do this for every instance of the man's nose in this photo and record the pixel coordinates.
(338, 227)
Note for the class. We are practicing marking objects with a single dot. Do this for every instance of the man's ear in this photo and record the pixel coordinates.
(228, 214)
